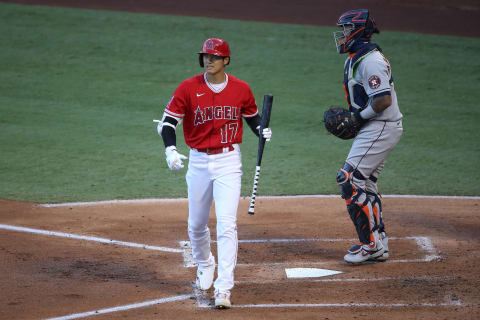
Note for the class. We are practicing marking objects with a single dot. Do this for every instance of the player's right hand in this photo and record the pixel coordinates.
(174, 159)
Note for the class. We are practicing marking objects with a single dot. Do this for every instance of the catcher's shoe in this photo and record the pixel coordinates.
(358, 254)
(205, 275)
(384, 239)
(222, 300)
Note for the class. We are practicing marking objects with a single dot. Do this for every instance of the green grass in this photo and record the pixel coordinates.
(79, 90)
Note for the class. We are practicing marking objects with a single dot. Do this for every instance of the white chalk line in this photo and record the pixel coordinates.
(123, 308)
(313, 280)
(351, 305)
(204, 302)
(318, 263)
(88, 238)
(163, 200)
(94, 203)
(424, 244)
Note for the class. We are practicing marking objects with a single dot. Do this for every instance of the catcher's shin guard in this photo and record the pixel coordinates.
(382, 235)
(359, 206)
(377, 210)
(362, 216)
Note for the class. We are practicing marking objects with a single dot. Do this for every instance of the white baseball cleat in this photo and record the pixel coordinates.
(359, 254)
(384, 257)
(384, 239)
(205, 275)
(222, 300)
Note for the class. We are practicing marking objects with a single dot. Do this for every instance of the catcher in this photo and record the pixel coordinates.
(374, 122)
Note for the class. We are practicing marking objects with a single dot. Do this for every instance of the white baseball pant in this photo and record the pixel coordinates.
(215, 177)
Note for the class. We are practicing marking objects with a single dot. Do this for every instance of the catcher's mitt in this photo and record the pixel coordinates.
(341, 123)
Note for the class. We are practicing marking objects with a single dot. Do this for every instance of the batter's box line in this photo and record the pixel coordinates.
(313, 280)
(424, 243)
(448, 302)
(123, 308)
(88, 238)
(353, 305)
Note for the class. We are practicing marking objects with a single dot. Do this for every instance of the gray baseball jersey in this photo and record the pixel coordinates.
(368, 76)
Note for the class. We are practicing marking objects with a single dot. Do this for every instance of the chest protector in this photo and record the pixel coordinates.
(355, 94)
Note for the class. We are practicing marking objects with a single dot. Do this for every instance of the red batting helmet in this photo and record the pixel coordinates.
(215, 46)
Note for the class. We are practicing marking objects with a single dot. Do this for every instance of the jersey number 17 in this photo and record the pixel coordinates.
(228, 132)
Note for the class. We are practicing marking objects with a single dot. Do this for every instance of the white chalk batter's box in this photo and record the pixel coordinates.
(315, 251)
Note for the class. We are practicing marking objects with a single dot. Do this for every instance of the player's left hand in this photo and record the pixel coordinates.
(267, 134)
(342, 123)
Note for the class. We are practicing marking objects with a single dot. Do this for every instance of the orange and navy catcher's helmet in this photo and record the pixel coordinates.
(215, 46)
(355, 24)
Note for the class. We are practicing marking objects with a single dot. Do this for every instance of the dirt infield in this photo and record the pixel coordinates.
(432, 273)
(131, 261)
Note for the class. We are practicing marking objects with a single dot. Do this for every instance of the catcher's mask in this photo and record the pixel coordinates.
(355, 24)
(215, 46)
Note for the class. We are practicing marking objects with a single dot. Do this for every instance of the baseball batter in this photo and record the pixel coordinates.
(212, 106)
(371, 97)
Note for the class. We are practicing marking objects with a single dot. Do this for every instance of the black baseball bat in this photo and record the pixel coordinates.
(264, 123)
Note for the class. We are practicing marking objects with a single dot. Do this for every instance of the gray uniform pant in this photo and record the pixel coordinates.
(370, 149)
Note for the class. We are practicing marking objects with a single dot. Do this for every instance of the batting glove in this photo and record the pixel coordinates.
(174, 159)
(266, 133)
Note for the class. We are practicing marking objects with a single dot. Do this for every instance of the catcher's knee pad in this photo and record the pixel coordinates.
(362, 215)
(344, 181)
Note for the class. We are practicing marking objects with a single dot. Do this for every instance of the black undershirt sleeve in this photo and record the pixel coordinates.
(253, 123)
(168, 133)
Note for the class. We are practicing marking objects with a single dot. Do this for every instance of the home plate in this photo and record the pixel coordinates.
(309, 272)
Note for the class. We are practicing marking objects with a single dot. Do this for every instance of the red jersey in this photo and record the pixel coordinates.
(210, 119)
